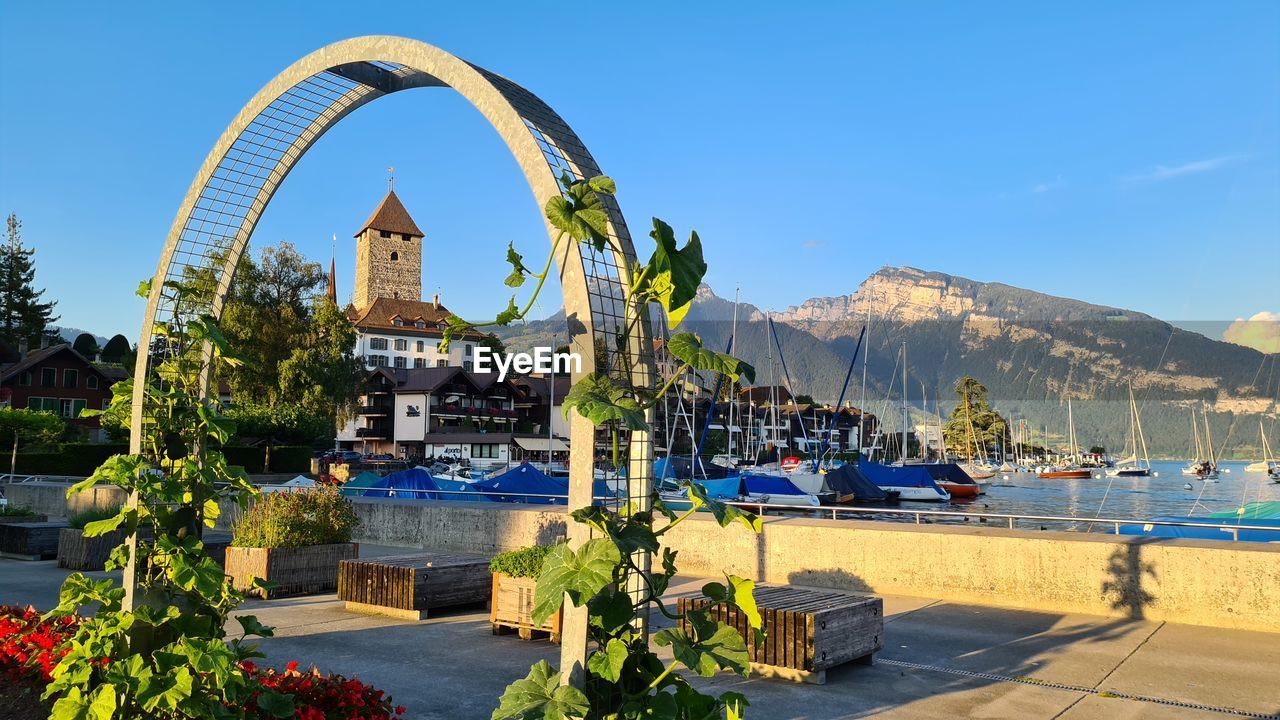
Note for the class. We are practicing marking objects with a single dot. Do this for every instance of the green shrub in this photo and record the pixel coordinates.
(16, 511)
(79, 519)
(318, 516)
(525, 562)
(75, 459)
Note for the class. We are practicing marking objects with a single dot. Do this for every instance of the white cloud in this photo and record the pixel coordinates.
(1045, 187)
(1260, 332)
(811, 244)
(1195, 167)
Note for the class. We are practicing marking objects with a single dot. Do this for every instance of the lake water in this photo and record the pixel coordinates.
(1122, 498)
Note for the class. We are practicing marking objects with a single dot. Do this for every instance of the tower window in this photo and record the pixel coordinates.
(384, 233)
(395, 256)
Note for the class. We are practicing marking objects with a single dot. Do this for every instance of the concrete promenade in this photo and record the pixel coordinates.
(940, 660)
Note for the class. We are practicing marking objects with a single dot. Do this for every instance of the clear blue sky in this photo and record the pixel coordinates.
(1121, 153)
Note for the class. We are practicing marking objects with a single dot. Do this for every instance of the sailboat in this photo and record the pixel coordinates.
(1131, 466)
(1206, 469)
(1197, 463)
(1268, 462)
(1069, 471)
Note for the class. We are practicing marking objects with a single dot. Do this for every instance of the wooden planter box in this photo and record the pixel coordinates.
(511, 608)
(808, 631)
(407, 586)
(77, 552)
(295, 571)
(14, 519)
(30, 541)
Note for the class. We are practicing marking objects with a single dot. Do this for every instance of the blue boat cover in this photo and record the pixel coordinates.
(950, 472)
(414, 483)
(355, 486)
(463, 491)
(904, 476)
(525, 478)
(681, 468)
(769, 485)
(848, 480)
(1205, 533)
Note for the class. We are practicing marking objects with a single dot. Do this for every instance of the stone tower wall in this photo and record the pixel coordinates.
(377, 275)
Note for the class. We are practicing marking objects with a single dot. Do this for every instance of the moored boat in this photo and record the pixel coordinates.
(954, 479)
(911, 482)
(1065, 473)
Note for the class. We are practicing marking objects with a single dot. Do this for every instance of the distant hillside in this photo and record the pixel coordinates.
(1030, 349)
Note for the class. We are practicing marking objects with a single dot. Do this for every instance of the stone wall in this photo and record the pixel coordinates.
(1199, 582)
(50, 498)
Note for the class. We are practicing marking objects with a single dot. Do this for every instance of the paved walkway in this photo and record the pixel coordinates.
(940, 660)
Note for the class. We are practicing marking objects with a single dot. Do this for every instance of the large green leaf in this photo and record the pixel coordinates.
(540, 696)
(126, 517)
(580, 212)
(688, 348)
(512, 313)
(709, 647)
(673, 274)
(607, 663)
(599, 400)
(580, 575)
(740, 593)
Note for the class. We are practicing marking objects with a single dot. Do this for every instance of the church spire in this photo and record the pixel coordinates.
(332, 291)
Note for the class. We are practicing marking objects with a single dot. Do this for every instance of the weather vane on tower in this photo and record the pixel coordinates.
(391, 178)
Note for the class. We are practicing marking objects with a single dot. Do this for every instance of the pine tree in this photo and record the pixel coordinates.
(22, 314)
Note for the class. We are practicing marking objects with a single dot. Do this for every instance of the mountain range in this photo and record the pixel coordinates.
(1032, 351)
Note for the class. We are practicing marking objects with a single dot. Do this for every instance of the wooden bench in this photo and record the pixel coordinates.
(407, 586)
(808, 631)
(30, 541)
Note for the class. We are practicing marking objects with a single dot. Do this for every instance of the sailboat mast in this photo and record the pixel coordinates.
(1137, 420)
(773, 390)
(1071, 431)
(904, 404)
(733, 384)
(862, 404)
(1208, 440)
(1133, 424)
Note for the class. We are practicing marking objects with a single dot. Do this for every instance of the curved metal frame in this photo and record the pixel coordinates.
(273, 131)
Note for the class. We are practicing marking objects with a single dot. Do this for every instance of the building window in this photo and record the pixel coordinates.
(399, 361)
(69, 408)
(91, 382)
(466, 350)
(402, 344)
(397, 322)
(377, 343)
(439, 363)
(466, 365)
(70, 378)
(419, 362)
(486, 450)
(24, 380)
(42, 404)
(422, 346)
(377, 361)
(48, 377)
(384, 233)
(421, 324)
(395, 256)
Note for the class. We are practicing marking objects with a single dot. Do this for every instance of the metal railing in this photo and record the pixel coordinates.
(1009, 518)
(762, 509)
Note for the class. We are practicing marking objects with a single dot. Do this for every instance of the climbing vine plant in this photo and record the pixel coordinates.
(166, 654)
(624, 677)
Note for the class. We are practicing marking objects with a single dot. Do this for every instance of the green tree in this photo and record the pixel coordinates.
(973, 426)
(804, 400)
(322, 373)
(22, 313)
(86, 345)
(30, 427)
(116, 349)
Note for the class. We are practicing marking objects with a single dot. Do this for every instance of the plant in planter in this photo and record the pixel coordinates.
(608, 574)
(515, 581)
(80, 552)
(292, 542)
(20, 514)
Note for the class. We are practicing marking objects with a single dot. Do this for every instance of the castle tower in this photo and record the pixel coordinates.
(388, 255)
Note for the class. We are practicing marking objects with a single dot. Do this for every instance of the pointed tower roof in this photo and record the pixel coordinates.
(392, 217)
(331, 292)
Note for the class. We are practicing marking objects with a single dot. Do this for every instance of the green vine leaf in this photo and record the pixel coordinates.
(454, 325)
(673, 274)
(599, 400)
(512, 313)
(581, 575)
(580, 212)
(687, 347)
(710, 647)
(127, 517)
(607, 663)
(724, 514)
(518, 270)
(740, 593)
(541, 696)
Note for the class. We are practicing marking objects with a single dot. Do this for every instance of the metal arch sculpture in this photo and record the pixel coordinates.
(273, 131)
